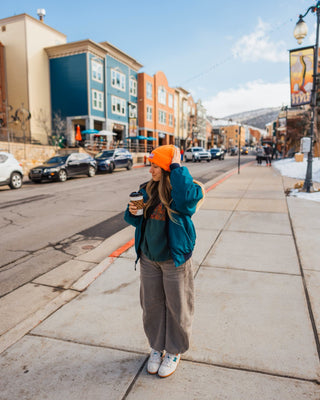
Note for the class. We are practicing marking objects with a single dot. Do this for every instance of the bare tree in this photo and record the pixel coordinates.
(59, 124)
(43, 121)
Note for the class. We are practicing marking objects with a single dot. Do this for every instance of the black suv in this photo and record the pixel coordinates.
(60, 168)
(108, 160)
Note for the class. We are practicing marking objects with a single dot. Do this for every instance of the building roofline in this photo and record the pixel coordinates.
(8, 20)
(71, 48)
(181, 89)
(88, 45)
(121, 55)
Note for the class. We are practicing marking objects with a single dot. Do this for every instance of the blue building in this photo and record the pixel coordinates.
(94, 85)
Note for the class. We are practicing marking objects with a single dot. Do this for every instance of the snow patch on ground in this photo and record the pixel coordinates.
(293, 169)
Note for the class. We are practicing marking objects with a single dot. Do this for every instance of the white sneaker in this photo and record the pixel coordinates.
(154, 361)
(169, 365)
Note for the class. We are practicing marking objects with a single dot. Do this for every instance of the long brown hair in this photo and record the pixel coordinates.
(160, 191)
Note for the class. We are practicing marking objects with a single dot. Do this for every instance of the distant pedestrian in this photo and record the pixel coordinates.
(182, 153)
(267, 151)
(260, 154)
(164, 241)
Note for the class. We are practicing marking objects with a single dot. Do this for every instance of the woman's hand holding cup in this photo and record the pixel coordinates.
(136, 203)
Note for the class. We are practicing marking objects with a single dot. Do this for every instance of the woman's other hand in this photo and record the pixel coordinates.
(176, 159)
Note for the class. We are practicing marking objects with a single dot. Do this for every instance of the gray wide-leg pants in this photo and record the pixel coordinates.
(167, 301)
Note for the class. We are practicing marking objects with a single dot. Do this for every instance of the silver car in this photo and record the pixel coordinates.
(197, 154)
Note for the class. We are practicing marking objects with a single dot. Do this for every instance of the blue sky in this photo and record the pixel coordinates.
(233, 55)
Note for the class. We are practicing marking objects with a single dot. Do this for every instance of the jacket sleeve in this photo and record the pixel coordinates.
(185, 192)
(132, 219)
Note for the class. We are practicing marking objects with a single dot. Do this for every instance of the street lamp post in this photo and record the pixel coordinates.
(299, 33)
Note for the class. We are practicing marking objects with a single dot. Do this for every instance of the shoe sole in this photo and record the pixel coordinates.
(154, 373)
(166, 376)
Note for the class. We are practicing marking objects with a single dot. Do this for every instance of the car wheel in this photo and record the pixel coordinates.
(111, 167)
(193, 159)
(91, 171)
(208, 160)
(62, 175)
(186, 159)
(15, 181)
(129, 166)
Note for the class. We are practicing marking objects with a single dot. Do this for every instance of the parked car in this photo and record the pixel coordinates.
(108, 160)
(60, 168)
(197, 154)
(11, 172)
(234, 151)
(217, 154)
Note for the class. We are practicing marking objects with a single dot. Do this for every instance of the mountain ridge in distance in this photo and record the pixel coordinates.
(257, 118)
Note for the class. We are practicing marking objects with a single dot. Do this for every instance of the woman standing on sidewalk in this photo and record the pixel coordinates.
(164, 242)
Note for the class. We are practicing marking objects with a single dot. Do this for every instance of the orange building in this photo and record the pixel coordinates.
(155, 110)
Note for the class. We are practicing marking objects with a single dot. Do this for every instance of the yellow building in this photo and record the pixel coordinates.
(27, 75)
(231, 134)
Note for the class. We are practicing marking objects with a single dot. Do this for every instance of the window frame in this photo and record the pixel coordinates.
(133, 86)
(162, 95)
(162, 117)
(115, 100)
(149, 92)
(96, 65)
(122, 80)
(149, 113)
(98, 106)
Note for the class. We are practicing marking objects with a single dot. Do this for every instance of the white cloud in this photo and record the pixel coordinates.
(251, 96)
(257, 46)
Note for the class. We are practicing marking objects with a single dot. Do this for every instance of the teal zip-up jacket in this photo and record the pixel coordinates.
(181, 233)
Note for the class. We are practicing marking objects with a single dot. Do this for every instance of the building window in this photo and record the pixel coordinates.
(97, 100)
(170, 100)
(170, 119)
(118, 105)
(162, 95)
(96, 68)
(162, 117)
(133, 87)
(118, 80)
(149, 90)
(184, 107)
(149, 113)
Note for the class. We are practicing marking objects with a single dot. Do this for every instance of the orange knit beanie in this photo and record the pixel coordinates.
(162, 156)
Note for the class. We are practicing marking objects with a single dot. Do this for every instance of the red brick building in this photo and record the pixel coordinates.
(155, 110)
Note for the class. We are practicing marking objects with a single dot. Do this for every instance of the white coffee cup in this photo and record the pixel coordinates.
(137, 199)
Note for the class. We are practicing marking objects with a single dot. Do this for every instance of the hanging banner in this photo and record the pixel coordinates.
(132, 127)
(301, 71)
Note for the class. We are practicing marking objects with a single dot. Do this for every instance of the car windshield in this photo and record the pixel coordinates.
(215, 150)
(57, 160)
(104, 154)
(198, 149)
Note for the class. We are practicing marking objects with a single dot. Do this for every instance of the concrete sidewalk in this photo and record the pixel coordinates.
(257, 317)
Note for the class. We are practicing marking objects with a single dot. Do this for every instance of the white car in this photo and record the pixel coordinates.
(11, 172)
(197, 154)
